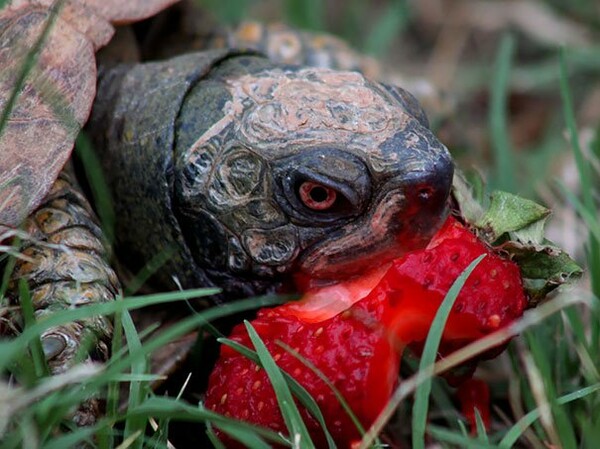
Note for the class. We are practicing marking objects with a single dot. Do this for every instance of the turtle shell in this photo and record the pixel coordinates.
(137, 164)
(47, 86)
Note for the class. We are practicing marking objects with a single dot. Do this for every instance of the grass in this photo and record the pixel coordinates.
(504, 175)
(429, 356)
(550, 389)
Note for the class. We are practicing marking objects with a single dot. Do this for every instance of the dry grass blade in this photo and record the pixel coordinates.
(536, 383)
(155, 427)
(13, 399)
(9, 234)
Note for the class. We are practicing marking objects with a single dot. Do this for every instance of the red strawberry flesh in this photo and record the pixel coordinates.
(357, 345)
(346, 349)
(474, 394)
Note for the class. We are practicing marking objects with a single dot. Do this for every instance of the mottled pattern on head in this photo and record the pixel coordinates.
(261, 131)
(285, 111)
(311, 106)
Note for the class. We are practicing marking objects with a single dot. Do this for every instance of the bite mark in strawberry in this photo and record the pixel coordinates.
(358, 345)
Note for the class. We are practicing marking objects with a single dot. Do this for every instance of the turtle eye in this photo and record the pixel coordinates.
(316, 196)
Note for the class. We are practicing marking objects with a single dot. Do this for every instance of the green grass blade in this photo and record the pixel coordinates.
(421, 404)
(296, 388)
(169, 408)
(595, 144)
(75, 437)
(505, 166)
(305, 14)
(291, 414)
(105, 435)
(353, 19)
(35, 345)
(130, 440)
(443, 401)
(481, 430)
(587, 353)
(584, 169)
(388, 26)
(331, 386)
(137, 389)
(245, 436)
(117, 345)
(28, 64)
(9, 268)
(214, 439)
(514, 433)
(564, 429)
(153, 265)
(230, 12)
(439, 394)
(463, 428)
(462, 441)
(129, 377)
(114, 368)
(10, 350)
(120, 350)
(569, 114)
(99, 187)
(590, 217)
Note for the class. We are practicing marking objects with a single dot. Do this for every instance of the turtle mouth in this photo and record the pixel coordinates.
(409, 211)
(331, 263)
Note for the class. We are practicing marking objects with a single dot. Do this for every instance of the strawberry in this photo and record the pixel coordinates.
(492, 296)
(346, 349)
(475, 394)
(356, 339)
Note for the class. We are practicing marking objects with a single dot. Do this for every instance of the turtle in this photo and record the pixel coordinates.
(247, 170)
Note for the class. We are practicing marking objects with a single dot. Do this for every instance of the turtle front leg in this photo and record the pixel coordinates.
(66, 266)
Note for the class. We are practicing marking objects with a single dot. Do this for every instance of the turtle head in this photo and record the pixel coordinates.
(246, 173)
(289, 170)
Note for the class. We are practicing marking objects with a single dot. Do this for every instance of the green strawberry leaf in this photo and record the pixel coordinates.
(511, 213)
(465, 197)
(515, 226)
(543, 267)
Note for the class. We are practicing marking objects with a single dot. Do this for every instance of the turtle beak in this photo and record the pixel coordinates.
(407, 210)
(425, 189)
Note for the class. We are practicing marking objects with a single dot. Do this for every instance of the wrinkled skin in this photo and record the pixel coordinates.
(247, 139)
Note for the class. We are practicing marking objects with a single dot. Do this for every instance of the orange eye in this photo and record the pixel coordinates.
(317, 196)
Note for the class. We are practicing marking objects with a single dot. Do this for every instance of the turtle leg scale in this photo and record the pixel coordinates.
(66, 266)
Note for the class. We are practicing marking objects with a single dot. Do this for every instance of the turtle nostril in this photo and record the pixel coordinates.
(432, 184)
(425, 193)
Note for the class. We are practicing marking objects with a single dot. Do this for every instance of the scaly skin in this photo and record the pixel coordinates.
(202, 164)
(67, 267)
(228, 140)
